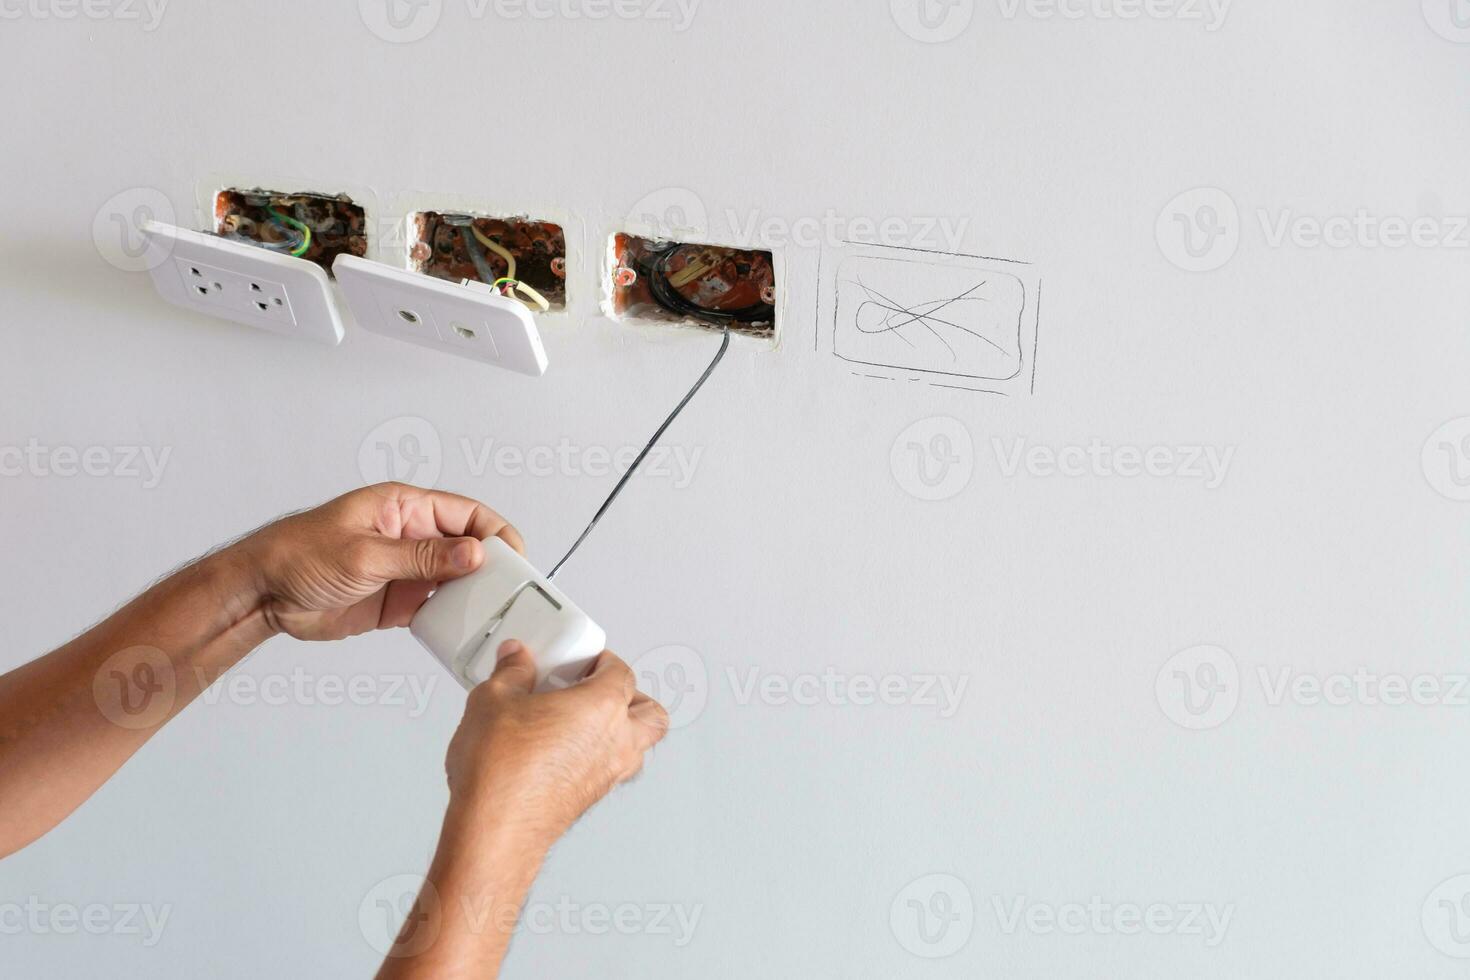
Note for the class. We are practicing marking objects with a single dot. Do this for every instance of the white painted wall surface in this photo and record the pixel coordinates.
(793, 831)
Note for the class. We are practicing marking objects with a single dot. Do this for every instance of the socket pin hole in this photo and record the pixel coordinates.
(409, 316)
(464, 331)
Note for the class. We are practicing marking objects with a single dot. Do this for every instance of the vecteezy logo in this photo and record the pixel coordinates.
(401, 21)
(1199, 688)
(674, 213)
(1199, 231)
(933, 916)
(932, 21)
(117, 228)
(675, 677)
(389, 921)
(1446, 459)
(404, 450)
(1446, 917)
(1450, 19)
(135, 688)
(933, 459)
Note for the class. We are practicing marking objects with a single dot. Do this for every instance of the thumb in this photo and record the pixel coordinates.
(428, 559)
(515, 670)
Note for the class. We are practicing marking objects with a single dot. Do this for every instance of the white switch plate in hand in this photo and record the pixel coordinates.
(244, 283)
(470, 319)
(464, 623)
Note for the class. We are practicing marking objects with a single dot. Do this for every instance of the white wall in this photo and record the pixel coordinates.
(794, 830)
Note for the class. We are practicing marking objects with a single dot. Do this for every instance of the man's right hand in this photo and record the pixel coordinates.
(522, 768)
(541, 760)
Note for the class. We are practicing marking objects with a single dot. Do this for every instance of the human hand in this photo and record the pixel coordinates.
(531, 764)
(522, 768)
(367, 560)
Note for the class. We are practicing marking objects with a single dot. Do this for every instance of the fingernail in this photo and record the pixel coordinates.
(509, 649)
(463, 556)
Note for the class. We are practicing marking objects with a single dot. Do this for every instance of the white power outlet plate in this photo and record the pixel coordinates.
(469, 320)
(243, 283)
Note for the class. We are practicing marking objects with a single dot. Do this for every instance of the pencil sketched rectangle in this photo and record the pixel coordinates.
(955, 321)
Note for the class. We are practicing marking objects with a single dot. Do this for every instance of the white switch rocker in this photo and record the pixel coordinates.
(464, 623)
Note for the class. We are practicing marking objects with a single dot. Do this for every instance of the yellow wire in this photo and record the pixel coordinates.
(533, 296)
(689, 273)
(498, 249)
(527, 291)
(510, 271)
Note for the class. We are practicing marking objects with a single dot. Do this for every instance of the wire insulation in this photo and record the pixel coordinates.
(482, 264)
(666, 294)
(498, 249)
(606, 504)
(533, 296)
(294, 238)
(300, 226)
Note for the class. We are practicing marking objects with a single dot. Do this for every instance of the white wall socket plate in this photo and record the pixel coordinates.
(468, 319)
(243, 283)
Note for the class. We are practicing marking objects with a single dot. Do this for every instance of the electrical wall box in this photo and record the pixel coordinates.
(467, 319)
(459, 247)
(465, 621)
(243, 283)
(653, 280)
(334, 224)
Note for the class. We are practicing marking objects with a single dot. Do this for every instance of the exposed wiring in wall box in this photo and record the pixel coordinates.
(469, 319)
(685, 282)
(315, 227)
(522, 251)
(242, 283)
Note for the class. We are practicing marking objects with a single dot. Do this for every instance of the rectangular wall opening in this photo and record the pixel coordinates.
(695, 284)
(315, 227)
(457, 247)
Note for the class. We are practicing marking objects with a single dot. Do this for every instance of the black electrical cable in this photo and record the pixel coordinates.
(665, 294)
(724, 346)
